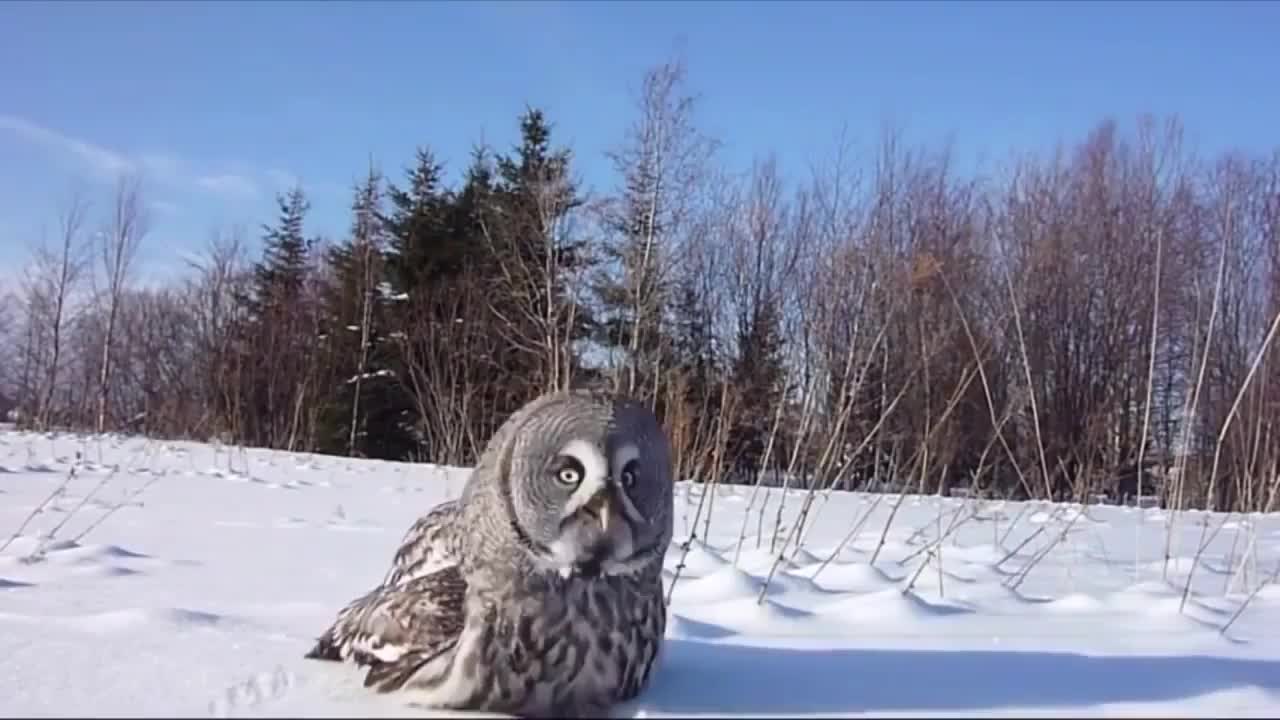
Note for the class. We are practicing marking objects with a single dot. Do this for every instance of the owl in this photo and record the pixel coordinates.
(538, 592)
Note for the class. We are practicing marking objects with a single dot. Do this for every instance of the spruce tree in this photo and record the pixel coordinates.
(693, 344)
(416, 227)
(279, 276)
(540, 262)
(367, 412)
(759, 376)
(273, 348)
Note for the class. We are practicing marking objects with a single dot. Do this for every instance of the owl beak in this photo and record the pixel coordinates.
(598, 505)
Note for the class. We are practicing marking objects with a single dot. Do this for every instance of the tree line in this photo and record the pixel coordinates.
(1096, 320)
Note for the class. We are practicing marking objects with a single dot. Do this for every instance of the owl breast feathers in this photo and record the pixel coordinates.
(538, 592)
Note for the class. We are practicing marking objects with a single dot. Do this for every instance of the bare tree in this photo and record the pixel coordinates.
(213, 297)
(118, 246)
(700, 405)
(447, 353)
(50, 287)
(1097, 322)
(661, 163)
(9, 353)
(367, 248)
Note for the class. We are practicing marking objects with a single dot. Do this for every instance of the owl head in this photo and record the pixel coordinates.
(585, 484)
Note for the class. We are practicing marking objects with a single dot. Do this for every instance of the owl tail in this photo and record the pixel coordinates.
(325, 648)
(387, 677)
(336, 642)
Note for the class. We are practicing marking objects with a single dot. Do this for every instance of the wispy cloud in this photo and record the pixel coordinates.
(228, 184)
(281, 180)
(101, 160)
(161, 164)
(107, 164)
(166, 208)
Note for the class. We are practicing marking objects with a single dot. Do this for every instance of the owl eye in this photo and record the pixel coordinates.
(629, 475)
(569, 472)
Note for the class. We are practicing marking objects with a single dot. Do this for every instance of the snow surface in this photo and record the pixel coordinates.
(199, 593)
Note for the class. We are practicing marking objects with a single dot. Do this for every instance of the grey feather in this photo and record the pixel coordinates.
(365, 630)
(539, 591)
(425, 548)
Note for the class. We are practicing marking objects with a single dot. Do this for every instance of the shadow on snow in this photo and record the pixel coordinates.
(719, 678)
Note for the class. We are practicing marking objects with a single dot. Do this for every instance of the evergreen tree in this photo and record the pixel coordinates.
(419, 251)
(273, 350)
(481, 282)
(466, 211)
(693, 345)
(367, 412)
(445, 273)
(538, 260)
(759, 376)
(280, 274)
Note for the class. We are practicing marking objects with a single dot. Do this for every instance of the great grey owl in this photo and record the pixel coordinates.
(538, 592)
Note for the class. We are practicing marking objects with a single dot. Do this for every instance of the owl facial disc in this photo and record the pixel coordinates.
(596, 523)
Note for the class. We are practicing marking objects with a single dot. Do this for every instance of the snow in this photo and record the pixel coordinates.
(370, 375)
(206, 571)
(388, 293)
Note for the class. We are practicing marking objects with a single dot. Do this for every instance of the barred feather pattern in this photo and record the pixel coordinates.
(542, 646)
(427, 546)
(417, 605)
(549, 647)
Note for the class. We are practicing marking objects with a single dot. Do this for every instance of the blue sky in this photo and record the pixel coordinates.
(221, 104)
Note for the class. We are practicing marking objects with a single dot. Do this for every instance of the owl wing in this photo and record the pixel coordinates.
(396, 631)
(414, 616)
(426, 547)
